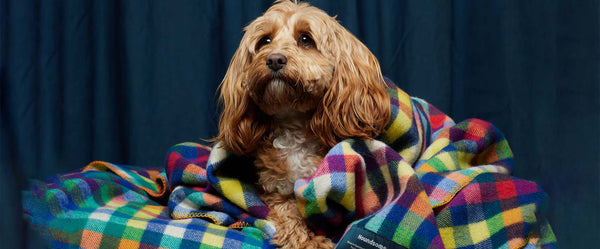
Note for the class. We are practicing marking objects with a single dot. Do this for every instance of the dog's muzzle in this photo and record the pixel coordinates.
(276, 61)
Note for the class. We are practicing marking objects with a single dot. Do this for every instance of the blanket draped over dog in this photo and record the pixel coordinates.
(427, 182)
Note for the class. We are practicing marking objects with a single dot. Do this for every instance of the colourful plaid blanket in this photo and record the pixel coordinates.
(425, 183)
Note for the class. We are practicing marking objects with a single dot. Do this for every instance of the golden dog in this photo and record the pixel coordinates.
(298, 84)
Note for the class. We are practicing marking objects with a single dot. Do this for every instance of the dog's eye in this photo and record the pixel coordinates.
(305, 41)
(263, 41)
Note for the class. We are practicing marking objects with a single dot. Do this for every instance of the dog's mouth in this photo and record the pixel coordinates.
(283, 85)
(275, 85)
(284, 90)
(282, 78)
(280, 94)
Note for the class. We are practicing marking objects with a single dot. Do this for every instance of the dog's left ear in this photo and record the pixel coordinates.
(241, 125)
(356, 105)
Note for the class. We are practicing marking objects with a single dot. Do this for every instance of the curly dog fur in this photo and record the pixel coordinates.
(298, 84)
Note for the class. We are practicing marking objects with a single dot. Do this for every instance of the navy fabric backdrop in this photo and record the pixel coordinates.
(122, 81)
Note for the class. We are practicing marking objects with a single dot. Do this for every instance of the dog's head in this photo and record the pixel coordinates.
(295, 57)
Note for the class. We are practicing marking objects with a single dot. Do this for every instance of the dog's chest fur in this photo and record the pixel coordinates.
(290, 153)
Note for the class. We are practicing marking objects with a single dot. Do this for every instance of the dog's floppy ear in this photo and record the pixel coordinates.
(241, 125)
(356, 103)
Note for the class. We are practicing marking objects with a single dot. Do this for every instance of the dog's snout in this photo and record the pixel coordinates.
(276, 61)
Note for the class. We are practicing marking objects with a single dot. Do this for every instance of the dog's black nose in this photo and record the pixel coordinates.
(276, 61)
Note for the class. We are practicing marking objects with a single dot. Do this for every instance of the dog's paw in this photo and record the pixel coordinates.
(315, 242)
(323, 242)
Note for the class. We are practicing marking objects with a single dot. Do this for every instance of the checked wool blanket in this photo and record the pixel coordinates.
(427, 182)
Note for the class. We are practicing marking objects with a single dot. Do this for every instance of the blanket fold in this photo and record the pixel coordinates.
(426, 182)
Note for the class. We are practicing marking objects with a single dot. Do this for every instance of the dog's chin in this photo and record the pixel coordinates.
(281, 95)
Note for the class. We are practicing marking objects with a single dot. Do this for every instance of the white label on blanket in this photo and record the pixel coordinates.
(360, 238)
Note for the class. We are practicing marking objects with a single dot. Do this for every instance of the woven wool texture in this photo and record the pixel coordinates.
(427, 182)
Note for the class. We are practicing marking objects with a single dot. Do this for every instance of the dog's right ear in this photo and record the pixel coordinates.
(241, 125)
(356, 105)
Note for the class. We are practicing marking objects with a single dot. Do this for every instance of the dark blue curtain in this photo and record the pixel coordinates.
(122, 81)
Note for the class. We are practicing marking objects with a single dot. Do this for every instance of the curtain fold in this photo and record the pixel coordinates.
(122, 81)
